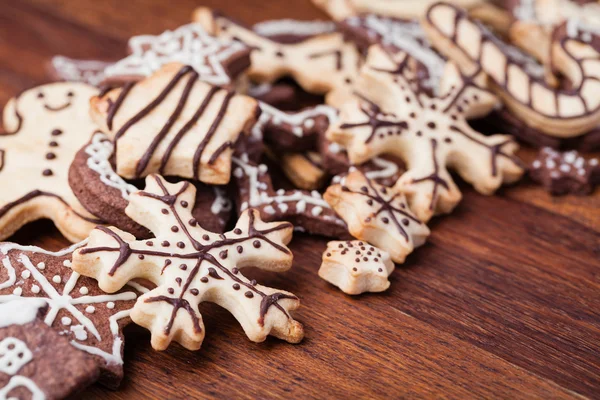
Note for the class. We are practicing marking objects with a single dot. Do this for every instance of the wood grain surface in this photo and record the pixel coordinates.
(502, 302)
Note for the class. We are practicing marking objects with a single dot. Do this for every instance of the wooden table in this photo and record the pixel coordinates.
(503, 301)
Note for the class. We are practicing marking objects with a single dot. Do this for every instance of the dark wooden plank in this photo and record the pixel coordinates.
(503, 301)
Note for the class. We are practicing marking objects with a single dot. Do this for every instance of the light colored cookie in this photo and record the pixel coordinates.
(190, 265)
(556, 112)
(304, 170)
(377, 215)
(356, 267)
(431, 134)
(340, 9)
(322, 64)
(174, 124)
(43, 129)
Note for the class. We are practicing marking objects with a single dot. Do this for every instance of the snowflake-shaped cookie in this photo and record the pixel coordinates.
(77, 308)
(377, 214)
(356, 267)
(322, 64)
(429, 133)
(190, 265)
(174, 124)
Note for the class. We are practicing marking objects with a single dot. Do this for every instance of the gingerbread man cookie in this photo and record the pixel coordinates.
(174, 124)
(377, 214)
(190, 265)
(428, 133)
(323, 64)
(43, 129)
(77, 308)
(35, 361)
(356, 267)
(555, 111)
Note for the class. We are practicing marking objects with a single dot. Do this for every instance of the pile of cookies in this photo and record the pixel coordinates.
(202, 151)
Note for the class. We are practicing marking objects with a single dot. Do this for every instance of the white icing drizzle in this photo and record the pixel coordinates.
(222, 203)
(259, 89)
(64, 301)
(297, 121)
(407, 36)
(99, 151)
(22, 381)
(258, 197)
(189, 44)
(71, 70)
(293, 27)
(388, 169)
(14, 354)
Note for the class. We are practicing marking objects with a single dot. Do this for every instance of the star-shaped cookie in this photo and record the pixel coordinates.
(356, 267)
(43, 129)
(431, 134)
(323, 64)
(377, 214)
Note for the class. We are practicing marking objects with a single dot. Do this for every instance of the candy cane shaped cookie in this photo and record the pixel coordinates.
(556, 112)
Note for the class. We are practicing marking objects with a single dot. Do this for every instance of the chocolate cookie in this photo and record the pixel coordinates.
(101, 191)
(35, 361)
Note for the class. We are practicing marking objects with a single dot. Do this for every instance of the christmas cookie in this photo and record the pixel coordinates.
(68, 69)
(77, 309)
(190, 265)
(174, 124)
(43, 129)
(35, 361)
(356, 267)
(323, 64)
(304, 170)
(104, 193)
(306, 210)
(429, 133)
(377, 215)
(555, 111)
(565, 172)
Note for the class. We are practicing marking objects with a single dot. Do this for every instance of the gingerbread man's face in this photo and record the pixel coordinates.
(55, 99)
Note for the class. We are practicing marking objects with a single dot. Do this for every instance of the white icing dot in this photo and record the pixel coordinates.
(244, 206)
(554, 175)
(66, 321)
(262, 168)
(315, 194)
(301, 206)
(25, 274)
(67, 263)
(41, 265)
(565, 168)
(317, 211)
(537, 164)
(280, 192)
(110, 305)
(79, 332)
(594, 162)
(550, 164)
(309, 123)
(35, 289)
(283, 207)
(269, 210)
(56, 279)
(84, 290)
(297, 131)
(238, 173)
(90, 309)
(570, 157)
(17, 291)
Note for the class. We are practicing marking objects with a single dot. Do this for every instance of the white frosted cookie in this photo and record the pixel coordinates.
(430, 134)
(190, 265)
(356, 267)
(174, 124)
(377, 214)
(43, 129)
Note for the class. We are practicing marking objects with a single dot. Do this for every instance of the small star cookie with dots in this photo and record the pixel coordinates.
(377, 214)
(320, 63)
(430, 134)
(356, 267)
(43, 129)
(77, 308)
(191, 265)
